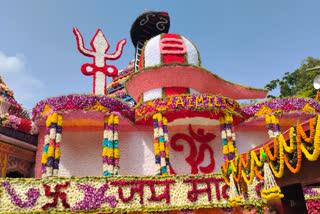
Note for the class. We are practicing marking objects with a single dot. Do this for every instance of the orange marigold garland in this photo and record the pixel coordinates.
(315, 148)
(248, 170)
(283, 153)
(296, 152)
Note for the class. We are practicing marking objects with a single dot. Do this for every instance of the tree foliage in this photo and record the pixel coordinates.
(299, 82)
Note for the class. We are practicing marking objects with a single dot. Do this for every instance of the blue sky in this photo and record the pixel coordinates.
(248, 42)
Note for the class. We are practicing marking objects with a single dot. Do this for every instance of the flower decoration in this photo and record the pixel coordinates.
(93, 198)
(32, 194)
(189, 105)
(84, 103)
(161, 144)
(110, 154)
(5, 91)
(17, 123)
(113, 194)
(285, 153)
(281, 105)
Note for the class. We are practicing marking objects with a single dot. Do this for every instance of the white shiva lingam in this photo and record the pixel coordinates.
(99, 69)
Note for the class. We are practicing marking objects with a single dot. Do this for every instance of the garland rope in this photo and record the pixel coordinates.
(269, 162)
(271, 189)
(110, 153)
(235, 199)
(161, 144)
(51, 153)
(273, 125)
(228, 137)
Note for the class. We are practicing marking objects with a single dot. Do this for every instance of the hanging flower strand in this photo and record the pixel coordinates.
(161, 144)
(272, 125)
(110, 154)
(51, 152)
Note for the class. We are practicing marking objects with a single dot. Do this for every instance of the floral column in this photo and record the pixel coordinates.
(228, 137)
(161, 144)
(272, 125)
(110, 152)
(51, 152)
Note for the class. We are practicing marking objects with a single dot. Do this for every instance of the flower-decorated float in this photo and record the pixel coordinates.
(18, 137)
(186, 145)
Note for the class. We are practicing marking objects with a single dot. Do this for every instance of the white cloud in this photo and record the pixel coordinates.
(11, 63)
(24, 85)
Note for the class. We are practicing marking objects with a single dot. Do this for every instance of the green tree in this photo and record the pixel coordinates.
(299, 82)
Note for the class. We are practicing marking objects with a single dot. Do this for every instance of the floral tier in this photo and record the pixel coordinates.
(190, 105)
(82, 103)
(281, 106)
(118, 194)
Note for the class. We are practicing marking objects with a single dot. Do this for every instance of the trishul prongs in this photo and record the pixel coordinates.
(99, 69)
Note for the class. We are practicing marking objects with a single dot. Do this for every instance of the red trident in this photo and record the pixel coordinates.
(99, 69)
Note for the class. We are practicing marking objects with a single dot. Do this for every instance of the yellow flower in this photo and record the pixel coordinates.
(116, 153)
(268, 118)
(57, 154)
(222, 120)
(48, 121)
(230, 146)
(110, 119)
(59, 120)
(225, 150)
(264, 110)
(274, 119)
(51, 151)
(156, 149)
(316, 151)
(104, 151)
(162, 148)
(308, 108)
(116, 119)
(54, 118)
(44, 158)
(45, 109)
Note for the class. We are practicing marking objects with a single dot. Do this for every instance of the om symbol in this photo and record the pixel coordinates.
(195, 158)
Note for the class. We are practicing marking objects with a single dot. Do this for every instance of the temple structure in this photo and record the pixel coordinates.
(172, 135)
(18, 137)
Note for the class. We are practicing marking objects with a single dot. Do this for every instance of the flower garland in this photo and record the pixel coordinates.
(271, 189)
(248, 169)
(51, 152)
(314, 154)
(273, 125)
(116, 194)
(285, 153)
(82, 102)
(161, 144)
(235, 199)
(228, 137)
(273, 159)
(280, 106)
(188, 105)
(110, 152)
